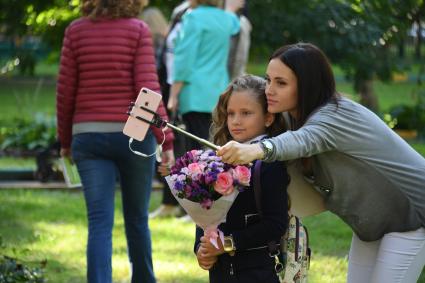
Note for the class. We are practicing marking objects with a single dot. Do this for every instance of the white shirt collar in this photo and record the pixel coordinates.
(256, 139)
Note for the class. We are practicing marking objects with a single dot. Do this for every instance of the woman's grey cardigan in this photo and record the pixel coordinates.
(370, 177)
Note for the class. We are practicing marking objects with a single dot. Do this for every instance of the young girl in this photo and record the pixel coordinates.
(241, 115)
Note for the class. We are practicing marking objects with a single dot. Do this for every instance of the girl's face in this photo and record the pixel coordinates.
(281, 88)
(245, 116)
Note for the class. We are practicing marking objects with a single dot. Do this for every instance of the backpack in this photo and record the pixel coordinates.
(292, 254)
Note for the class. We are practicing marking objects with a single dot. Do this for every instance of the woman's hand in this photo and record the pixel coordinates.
(234, 5)
(173, 100)
(65, 152)
(239, 154)
(173, 103)
(167, 160)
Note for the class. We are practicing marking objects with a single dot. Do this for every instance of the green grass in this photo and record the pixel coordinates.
(25, 96)
(419, 147)
(40, 224)
(13, 162)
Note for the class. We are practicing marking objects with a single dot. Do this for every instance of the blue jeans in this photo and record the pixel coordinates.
(101, 158)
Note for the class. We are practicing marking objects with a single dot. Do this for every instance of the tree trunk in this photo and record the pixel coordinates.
(367, 95)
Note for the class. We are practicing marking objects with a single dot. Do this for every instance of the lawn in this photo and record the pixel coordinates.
(26, 96)
(51, 225)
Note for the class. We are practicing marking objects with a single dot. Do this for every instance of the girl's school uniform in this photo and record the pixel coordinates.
(251, 233)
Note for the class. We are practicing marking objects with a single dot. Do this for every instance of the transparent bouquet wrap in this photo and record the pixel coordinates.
(206, 188)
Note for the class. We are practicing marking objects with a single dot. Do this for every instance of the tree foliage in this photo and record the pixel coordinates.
(357, 35)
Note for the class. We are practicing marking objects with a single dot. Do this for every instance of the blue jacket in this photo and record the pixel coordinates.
(200, 57)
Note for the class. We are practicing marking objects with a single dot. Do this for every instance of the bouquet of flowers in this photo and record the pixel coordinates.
(206, 187)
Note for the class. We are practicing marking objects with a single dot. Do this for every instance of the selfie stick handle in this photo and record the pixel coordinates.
(198, 139)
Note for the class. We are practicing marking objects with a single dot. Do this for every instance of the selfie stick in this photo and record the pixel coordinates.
(160, 123)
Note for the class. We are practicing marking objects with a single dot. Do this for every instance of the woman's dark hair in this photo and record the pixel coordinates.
(315, 79)
(112, 9)
(255, 86)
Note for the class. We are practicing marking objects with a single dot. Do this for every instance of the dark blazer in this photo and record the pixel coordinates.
(251, 233)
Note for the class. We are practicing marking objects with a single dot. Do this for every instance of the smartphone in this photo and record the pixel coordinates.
(134, 127)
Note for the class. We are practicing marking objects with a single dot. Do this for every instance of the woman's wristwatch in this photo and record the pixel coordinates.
(268, 149)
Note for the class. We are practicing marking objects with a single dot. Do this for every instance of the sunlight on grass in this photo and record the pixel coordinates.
(175, 259)
(51, 225)
(13, 162)
(328, 269)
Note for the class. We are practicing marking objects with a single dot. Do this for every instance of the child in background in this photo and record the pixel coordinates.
(241, 115)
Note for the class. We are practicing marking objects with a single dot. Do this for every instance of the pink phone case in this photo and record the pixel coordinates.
(136, 128)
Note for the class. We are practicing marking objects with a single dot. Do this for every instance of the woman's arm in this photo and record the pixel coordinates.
(185, 55)
(316, 136)
(173, 100)
(313, 138)
(65, 92)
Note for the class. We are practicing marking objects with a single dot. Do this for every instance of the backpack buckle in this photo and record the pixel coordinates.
(278, 266)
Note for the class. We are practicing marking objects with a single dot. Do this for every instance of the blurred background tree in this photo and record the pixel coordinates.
(357, 35)
(365, 39)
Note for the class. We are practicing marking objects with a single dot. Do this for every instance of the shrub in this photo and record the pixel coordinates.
(408, 117)
(23, 134)
(13, 270)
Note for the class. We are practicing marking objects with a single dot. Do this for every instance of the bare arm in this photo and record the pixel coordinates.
(173, 101)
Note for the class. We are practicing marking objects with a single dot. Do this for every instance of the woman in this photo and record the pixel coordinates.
(200, 63)
(368, 175)
(107, 57)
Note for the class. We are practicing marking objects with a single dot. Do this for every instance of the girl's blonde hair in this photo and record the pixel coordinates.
(112, 9)
(255, 86)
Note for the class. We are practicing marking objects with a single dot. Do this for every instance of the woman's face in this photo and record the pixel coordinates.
(281, 88)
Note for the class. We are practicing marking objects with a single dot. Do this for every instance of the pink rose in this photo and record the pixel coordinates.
(195, 169)
(194, 152)
(242, 174)
(224, 184)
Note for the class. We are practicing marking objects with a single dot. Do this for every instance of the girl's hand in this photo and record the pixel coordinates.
(208, 248)
(167, 160)
(204, 261)
(239, 154)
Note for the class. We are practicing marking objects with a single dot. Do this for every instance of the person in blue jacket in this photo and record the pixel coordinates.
(200, 63)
